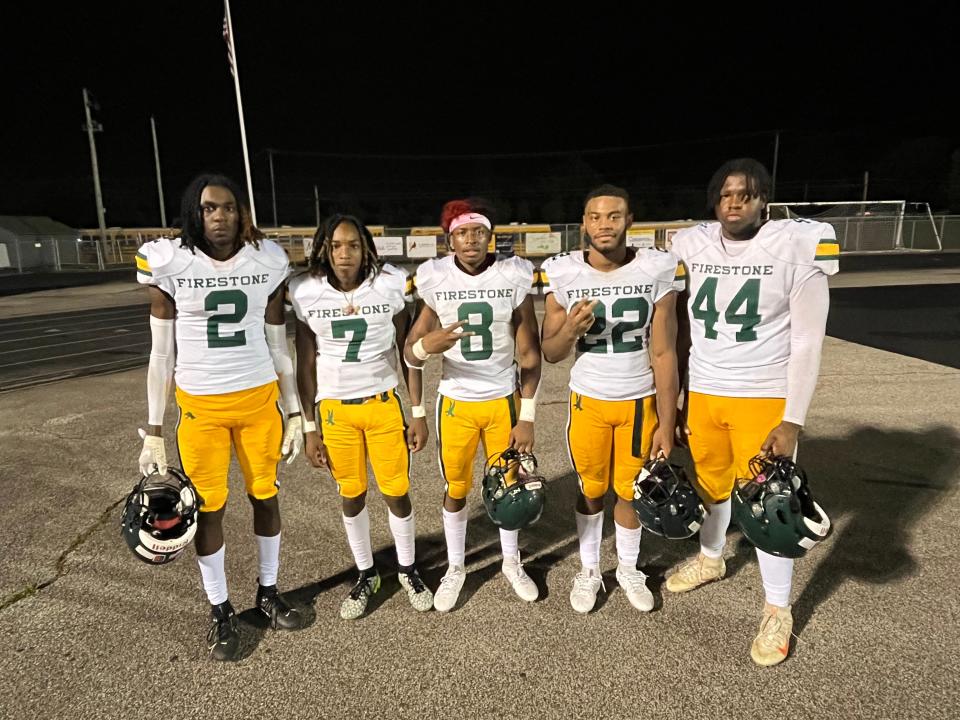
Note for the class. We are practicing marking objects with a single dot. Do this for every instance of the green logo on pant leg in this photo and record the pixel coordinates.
(190, 416)
(576, 403)
(450, 408)
(330, 417)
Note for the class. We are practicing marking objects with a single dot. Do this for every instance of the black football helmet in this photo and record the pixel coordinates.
(665, 500)
(160, 516)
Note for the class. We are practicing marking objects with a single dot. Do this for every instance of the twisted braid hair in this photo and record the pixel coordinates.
(319, 263)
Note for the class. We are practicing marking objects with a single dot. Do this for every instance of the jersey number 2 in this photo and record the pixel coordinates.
(591, 343)
(213, 301)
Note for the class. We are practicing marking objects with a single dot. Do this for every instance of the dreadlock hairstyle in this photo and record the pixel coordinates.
(320, 263)
(192, 232)
(756, 175)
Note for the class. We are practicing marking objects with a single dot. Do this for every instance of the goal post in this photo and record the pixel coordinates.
(869, 225)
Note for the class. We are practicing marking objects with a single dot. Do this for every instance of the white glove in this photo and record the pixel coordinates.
(292, 438)
(154, 453)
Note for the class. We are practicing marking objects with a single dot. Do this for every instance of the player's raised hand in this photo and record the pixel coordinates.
(581, 317)
(441, 340)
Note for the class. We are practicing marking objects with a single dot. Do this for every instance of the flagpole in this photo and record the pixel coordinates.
(235, 67)
(156, 158)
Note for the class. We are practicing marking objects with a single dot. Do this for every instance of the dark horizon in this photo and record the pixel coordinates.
(371, 109)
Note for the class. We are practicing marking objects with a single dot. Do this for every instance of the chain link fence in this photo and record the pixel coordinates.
(410, 245)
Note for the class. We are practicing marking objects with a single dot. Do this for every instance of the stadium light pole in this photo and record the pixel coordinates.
(156, 159)
(91, 128)
(316, 203)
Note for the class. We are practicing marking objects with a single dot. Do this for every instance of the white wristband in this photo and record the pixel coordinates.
(528, 409)
(309, 426)
(418, 350)
(418, 411)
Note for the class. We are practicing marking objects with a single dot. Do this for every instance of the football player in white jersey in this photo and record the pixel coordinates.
(351, 319)
(477, 312)
(218, 289)
(617, 307)
(757, 304)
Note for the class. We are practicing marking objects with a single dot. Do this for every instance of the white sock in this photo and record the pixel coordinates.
(628, 545)
(404, 532)
(509, 543)
(777, 574)
(590, 532)
(214, 577)
(268, 552)
(713, 532)
(455, 531)
(358, 535)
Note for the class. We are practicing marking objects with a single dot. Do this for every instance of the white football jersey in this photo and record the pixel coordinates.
(221, 342)
(612, 358)
(356, 353)
(482, 366)
(739, 305)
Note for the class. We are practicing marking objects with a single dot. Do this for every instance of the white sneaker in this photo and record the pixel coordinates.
(523, 586)
(772, 644)
(634, 584)
(586, 585)
(696, 572)
(450, 585)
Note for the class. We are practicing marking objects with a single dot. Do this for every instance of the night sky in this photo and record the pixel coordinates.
(390, 112)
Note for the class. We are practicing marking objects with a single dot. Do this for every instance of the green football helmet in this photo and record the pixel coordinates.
(775, 509)
(513, 489)
(665, 501)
